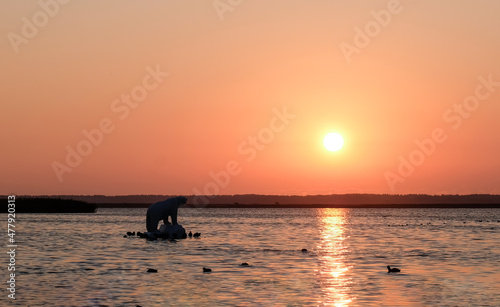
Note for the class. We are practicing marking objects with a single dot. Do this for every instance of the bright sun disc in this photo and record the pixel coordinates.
(333, 141)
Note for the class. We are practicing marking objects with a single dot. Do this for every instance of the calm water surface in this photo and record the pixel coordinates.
(447, 257)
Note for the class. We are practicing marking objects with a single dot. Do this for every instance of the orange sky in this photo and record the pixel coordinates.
(235, 97)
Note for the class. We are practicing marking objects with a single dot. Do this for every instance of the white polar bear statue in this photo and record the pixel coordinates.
(161, 211)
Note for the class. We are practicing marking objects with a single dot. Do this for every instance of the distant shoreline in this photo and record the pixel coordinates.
(307, 200)
(333, 206)
(52, 205)
(86, 203)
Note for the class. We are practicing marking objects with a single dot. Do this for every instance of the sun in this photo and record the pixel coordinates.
(333, 141)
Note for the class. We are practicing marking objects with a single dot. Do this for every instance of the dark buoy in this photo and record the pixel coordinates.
(197, 235)
(130, 233)
(206, 270)
(392, 270)
(190, 234)
(244, 264)
(152, 271)
(304, 250)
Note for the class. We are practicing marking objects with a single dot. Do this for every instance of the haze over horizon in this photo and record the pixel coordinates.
(218, 97)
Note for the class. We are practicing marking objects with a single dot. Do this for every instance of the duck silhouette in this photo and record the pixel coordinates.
(190, 234)
(197, 235)
(206, 270)
(392, 270)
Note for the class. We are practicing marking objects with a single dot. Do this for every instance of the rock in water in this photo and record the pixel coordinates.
(173, 231)
(152, 271)
(151, 236)
(165, 232)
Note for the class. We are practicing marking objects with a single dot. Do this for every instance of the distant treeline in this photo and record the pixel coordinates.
(33, 204)
(334, 200)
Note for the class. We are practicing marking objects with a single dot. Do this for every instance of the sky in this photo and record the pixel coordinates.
(236, 96)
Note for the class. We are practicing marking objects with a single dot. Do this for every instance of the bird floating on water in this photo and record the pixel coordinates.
(244, 264)
(392, 270)
(206, 270)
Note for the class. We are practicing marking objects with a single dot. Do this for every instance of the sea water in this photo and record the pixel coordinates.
(447, 257)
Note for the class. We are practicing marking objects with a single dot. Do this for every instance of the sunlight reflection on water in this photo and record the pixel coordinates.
(334, 282)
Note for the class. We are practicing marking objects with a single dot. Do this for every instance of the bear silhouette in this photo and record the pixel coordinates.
(162, 210)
